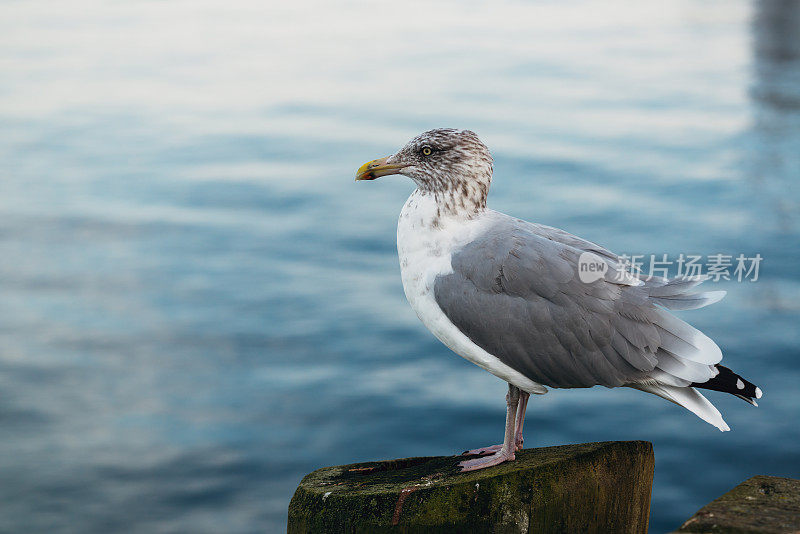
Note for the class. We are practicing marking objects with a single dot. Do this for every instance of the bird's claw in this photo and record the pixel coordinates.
(483, 451)
(486, 461)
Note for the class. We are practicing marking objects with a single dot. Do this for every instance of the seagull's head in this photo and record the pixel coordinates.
(454, 164)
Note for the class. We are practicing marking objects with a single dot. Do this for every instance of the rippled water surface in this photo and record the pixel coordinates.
(198, 304)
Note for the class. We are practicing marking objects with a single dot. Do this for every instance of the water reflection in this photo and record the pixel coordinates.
(776, 97)
(774, 158)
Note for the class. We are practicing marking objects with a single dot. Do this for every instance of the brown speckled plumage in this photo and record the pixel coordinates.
(458, 170)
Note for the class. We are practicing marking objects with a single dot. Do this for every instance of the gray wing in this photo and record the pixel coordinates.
(516, 293)
(564, 237)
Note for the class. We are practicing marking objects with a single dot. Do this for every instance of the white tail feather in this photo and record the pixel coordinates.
(689, 398)
(685, 353)
(685, 369)
(661, 287)
(674, 294)
(696, 346)
(689, 301)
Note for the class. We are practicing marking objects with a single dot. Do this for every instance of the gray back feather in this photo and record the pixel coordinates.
(515, 292)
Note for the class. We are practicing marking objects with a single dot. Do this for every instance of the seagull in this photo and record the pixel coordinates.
(535, 305)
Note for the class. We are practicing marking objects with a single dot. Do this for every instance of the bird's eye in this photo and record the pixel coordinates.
(427, 151)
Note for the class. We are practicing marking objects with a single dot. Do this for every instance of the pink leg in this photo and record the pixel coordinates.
(523, 404)
(506, 451)
(518, 439)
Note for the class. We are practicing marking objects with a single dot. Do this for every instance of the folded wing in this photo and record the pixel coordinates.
(515, 291)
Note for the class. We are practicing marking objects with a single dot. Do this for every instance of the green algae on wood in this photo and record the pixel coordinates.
(761, 504)
(592, 487)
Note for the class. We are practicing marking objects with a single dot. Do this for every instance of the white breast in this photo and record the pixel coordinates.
(425, 250)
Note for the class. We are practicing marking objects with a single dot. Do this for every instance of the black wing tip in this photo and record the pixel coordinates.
(727, 381)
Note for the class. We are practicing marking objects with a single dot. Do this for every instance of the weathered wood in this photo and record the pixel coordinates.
(758, 505)
(592, 487)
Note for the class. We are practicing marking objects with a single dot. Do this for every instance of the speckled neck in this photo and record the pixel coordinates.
(458, 195)
(460, 199)
(430, 210)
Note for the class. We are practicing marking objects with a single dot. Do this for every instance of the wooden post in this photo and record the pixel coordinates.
(759, 504)
(592, 487)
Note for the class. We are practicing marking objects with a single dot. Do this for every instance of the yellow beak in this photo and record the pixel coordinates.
(376, 168)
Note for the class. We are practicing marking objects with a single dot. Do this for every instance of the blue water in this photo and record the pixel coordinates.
(199, 306)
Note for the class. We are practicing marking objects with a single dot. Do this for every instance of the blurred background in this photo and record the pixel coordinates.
(198, 305)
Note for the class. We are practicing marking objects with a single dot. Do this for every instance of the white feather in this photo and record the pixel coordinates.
(696, 346)
(689, 398)
(425, 252)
